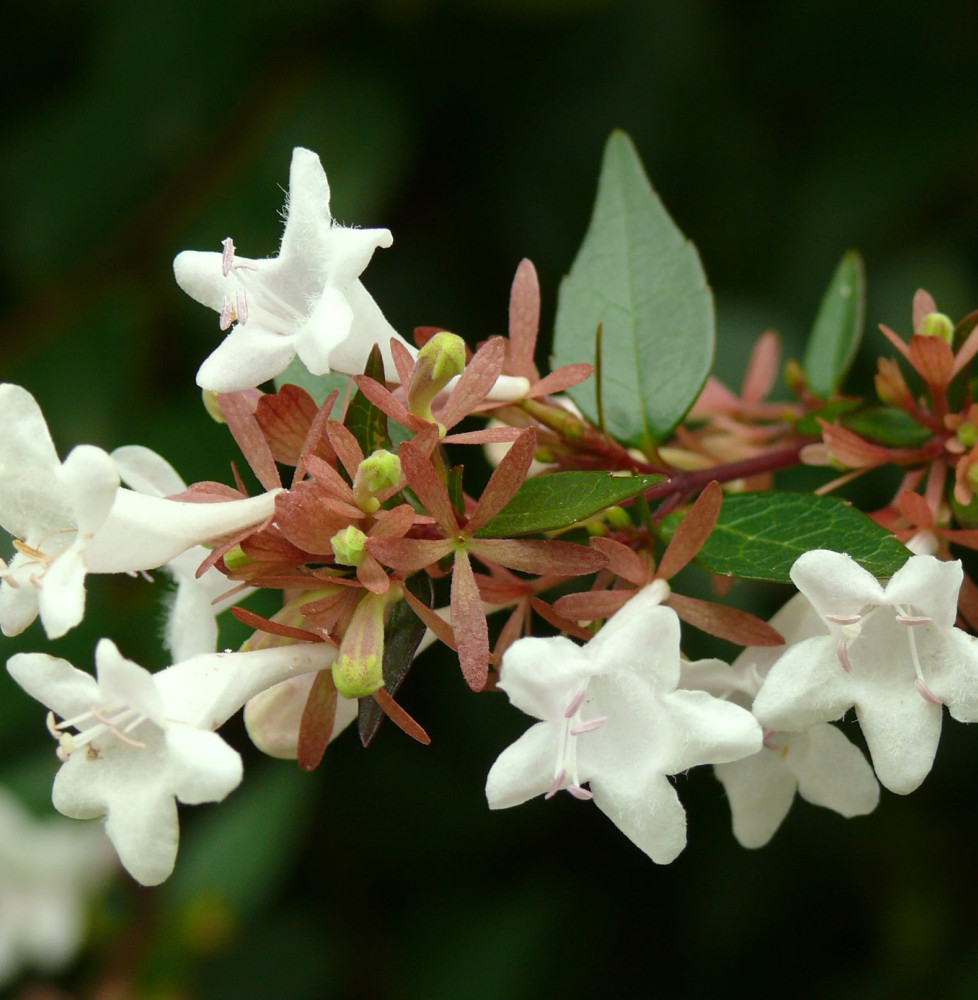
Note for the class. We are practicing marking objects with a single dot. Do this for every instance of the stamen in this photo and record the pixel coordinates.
(227, 314)
(557, 785)
(52, 726)
(242, 306)
(582, 794)
(575, 704)
(590, 726)
(914, 619)
(768, 740)
(227, 258)
(925, 692)
(844, 619)
(843, 652)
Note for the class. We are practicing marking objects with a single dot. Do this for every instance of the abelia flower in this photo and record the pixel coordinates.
(891, 651)
(49, 870)
(73, 518)
(612, 718)
(819, 764)
(142, 741)
(308, 301)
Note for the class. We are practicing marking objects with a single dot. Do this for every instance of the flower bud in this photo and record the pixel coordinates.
(967, 434)
(358, 670)
(937, 324)
(349, 546)
(439, 361)
(891, 387)
(378, 472)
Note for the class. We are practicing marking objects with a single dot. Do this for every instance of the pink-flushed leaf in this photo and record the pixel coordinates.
(762, 368)
(333, 609)
(385, 401)
(262, 624)
(316, 444)
(393, 523)
(222, 548)
(318, 718)
(524, 321)
(308, 518)
(968, 537)
(562, 379)
(345, 445)
(372, 575)
(624, 561)
(915, 509)
(239, 412)
(966, 352)
(933, 358)
(724, 622)
(433, 621)
(549, 614)
(923, 306)
(400, 717)
(284, 418)
(896, 341)
(856, 453)
(505, 480)
(513, 629)
(408, 554)
(692, 533)
(428, 486)
(272, 547)
(326, 475)
(475, 382)
(469, 624)
(542, 556)
(403, 361)
(591, 605)
(489, 435)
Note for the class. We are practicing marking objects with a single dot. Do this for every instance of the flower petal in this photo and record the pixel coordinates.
(760, 790)
(203, 768)
(524, 769)
(651, 816)
(832, 772)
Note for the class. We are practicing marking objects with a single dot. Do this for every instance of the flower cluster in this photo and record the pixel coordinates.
(366, 527)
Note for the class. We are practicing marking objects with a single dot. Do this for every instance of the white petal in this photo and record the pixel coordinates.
(651, 815)
(807, 685)
(91, 479)
(54, 682)
(951, 671)
(326, 328)
(347, 252)
(795, 620)
(18, 605)
(835, 583)
(542, 676)
(123, 682)
(524, 769)
(369, 327)
(145, 833)
(203, 768)
(144, 471)
(249, 355)
(930, 585)
(144, 532)
(201, 275)
(61, 596)
(760, 789)
(642, 637)
(307, 218)
(706, 730)
(832, 772)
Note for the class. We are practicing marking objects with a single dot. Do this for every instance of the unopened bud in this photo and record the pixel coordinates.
(349, 546)
(936, 324)
(967, 434)
(212, 406)
(794, 375)
(891, 387)
(358, 670)
(378, 472)
(439, 361)
(235, 558)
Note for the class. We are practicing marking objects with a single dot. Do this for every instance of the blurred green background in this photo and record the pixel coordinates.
(778, 134)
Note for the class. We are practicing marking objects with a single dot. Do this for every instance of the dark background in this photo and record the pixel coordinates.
(778, 134)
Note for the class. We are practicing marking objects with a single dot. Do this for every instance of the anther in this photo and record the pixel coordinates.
(227, 313)
(575, 704)
(227, 258)
(242, 306)
(589, 726)
(558, 784)
(925, 692)
(579, 793)
(769, 739)
(914, 619)
(843, 652)
(844, 619)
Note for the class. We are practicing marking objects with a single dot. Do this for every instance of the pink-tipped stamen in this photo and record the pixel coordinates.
(913, 620)
(843, 652)
(589, 726)
(227, 257)
(227, 313)
(844, 619)
(242, 306)
(925, 692)
(558, 784)
(581, 794)
(575, 704)
(768, 740)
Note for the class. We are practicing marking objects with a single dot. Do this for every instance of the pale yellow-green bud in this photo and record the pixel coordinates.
(235, 558)
(937, 325)
(358, 670)
(439, 361)
(967, 434)
(212, 406)
(349, 546)
(972, 477)
(378, 472)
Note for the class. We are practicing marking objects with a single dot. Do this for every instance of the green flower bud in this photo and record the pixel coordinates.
(349, 546)
(439, 361)
(967, 434)
(937, 325)
(358, 669)
(235, 558)
(378, 472)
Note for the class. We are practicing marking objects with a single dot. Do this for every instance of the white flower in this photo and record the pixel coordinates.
(191, 622)
(48, 870)
(73, 518)
(612, 717)
(144, 740)
(892, 652)
(820, 764)
(307, 301)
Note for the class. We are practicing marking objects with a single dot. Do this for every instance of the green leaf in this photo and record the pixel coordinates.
(318, 386)
(637, 276)
(366, 422)
(760, 535)
(809, 424)
(402, 636)
(561, 499)
(838, 327)
(889, 426)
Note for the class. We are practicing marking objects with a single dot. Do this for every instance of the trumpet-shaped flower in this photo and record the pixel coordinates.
(611, 717)
(142, 741)
(819, 764)
(73, 518)
(892, 652)
(48, 870)
(307, 301)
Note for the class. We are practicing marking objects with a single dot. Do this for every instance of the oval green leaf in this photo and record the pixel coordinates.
(639, 278)
(760, 535)
(558, 500)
